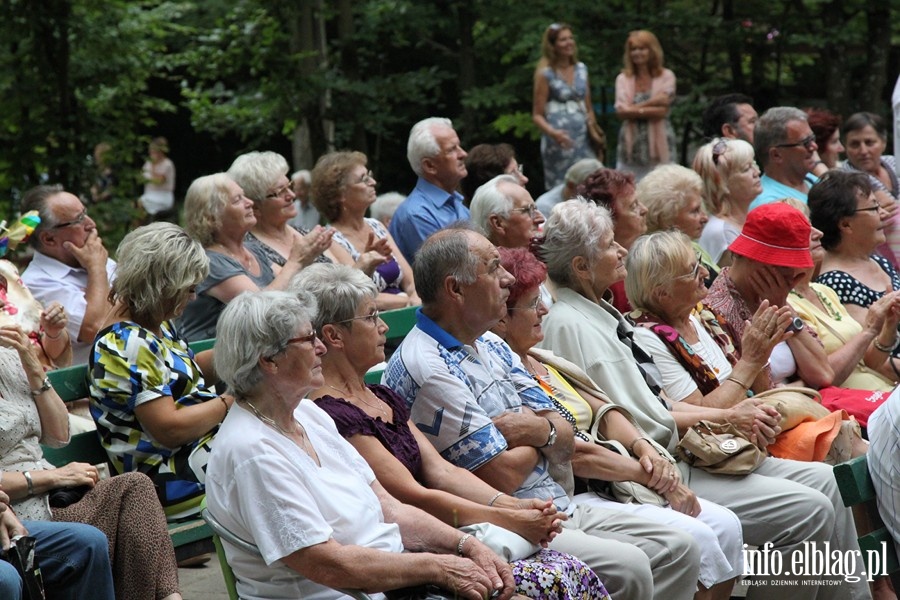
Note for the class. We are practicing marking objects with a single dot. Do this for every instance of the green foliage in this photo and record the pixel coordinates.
(76, 72)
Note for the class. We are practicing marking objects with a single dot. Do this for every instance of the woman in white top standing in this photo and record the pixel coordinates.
(159, 179)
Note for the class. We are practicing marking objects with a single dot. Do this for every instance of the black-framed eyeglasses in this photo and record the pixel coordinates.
(283, 190)
(694, 272)
(718, 149)
(531, 210)
(373, 318)
(874, 208)
(76, 221)
(806, 142)
(536, 305)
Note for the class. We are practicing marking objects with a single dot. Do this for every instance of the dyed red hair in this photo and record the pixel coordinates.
(528, 271)
(604, 186)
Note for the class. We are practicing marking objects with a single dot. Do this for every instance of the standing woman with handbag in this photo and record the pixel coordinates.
(644, 94)
(562, 107)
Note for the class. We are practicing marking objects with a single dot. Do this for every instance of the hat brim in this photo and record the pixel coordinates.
(798, 258)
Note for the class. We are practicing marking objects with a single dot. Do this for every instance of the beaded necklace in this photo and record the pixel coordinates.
(833, 312)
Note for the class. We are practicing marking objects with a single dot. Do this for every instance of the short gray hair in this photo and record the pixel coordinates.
(655, 260)
(338, 290)
(385, 205)
(157, 266)
(489, 200)
(257, 325)
(444, 254)
(256, 172)
(203, 205)
(771, 130)
(422, 143)
(664, 191)
(37, 199)
(303, 175)
(573, 229)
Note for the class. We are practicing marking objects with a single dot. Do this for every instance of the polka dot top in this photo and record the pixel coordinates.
(852, 291)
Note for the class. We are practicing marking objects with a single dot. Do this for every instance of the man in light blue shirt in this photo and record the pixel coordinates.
(786, 150)
(437, 158)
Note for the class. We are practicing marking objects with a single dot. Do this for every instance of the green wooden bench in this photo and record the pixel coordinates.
(399, 322)
(857, 489)
(190, 537)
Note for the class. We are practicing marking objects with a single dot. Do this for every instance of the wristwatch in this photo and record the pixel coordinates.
(551, 439)
(796, 325)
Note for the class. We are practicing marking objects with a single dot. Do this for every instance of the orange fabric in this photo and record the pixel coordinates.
(809, 441)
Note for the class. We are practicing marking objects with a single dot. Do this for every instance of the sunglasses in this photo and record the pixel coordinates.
(806, 142)
(718, 149)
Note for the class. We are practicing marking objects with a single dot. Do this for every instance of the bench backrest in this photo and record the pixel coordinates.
(857, 489)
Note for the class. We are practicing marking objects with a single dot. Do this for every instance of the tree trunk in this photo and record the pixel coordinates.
(878, 18)
(834, 57)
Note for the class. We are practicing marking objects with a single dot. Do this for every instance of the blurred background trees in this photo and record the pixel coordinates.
(220, 77)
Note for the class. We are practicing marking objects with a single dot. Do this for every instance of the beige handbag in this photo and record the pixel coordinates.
(719, 448)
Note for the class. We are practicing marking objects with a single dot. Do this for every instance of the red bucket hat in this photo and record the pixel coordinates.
(775, 234)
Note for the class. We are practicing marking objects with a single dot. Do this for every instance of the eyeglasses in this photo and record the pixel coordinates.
(282, 191)
(875, 208)
(366, 178)
(310, 338)
(537, 305)
(694, 272)
(718, 149)
(806, 142)
(373, 318)
(531, 210)
(76, 221)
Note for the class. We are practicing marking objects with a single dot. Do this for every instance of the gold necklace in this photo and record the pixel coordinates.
(347, 395)
(271, 422)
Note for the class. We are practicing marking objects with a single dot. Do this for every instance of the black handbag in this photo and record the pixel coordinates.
(21, 556)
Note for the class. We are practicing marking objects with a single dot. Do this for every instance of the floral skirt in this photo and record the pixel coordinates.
(550, 575)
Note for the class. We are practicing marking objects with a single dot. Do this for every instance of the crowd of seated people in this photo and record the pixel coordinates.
(530, 324)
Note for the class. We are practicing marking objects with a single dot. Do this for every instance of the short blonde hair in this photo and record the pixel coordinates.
(653, 261)
(716, 170)
(665, 191)
(203, 205)
(157, 266)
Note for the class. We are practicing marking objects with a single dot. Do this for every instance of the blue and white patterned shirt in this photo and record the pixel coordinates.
(454, 391)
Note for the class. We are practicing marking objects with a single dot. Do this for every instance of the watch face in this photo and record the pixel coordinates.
(795, 325)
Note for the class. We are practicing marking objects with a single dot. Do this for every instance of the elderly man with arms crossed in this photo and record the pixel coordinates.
(471, 396)
(70, 264)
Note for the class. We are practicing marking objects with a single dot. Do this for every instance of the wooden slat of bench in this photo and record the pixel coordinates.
(857, 489)
(854, 481)
(83, 447)
(399, 322)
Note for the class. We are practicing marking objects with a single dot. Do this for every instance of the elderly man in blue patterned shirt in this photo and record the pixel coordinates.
(471, 396)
